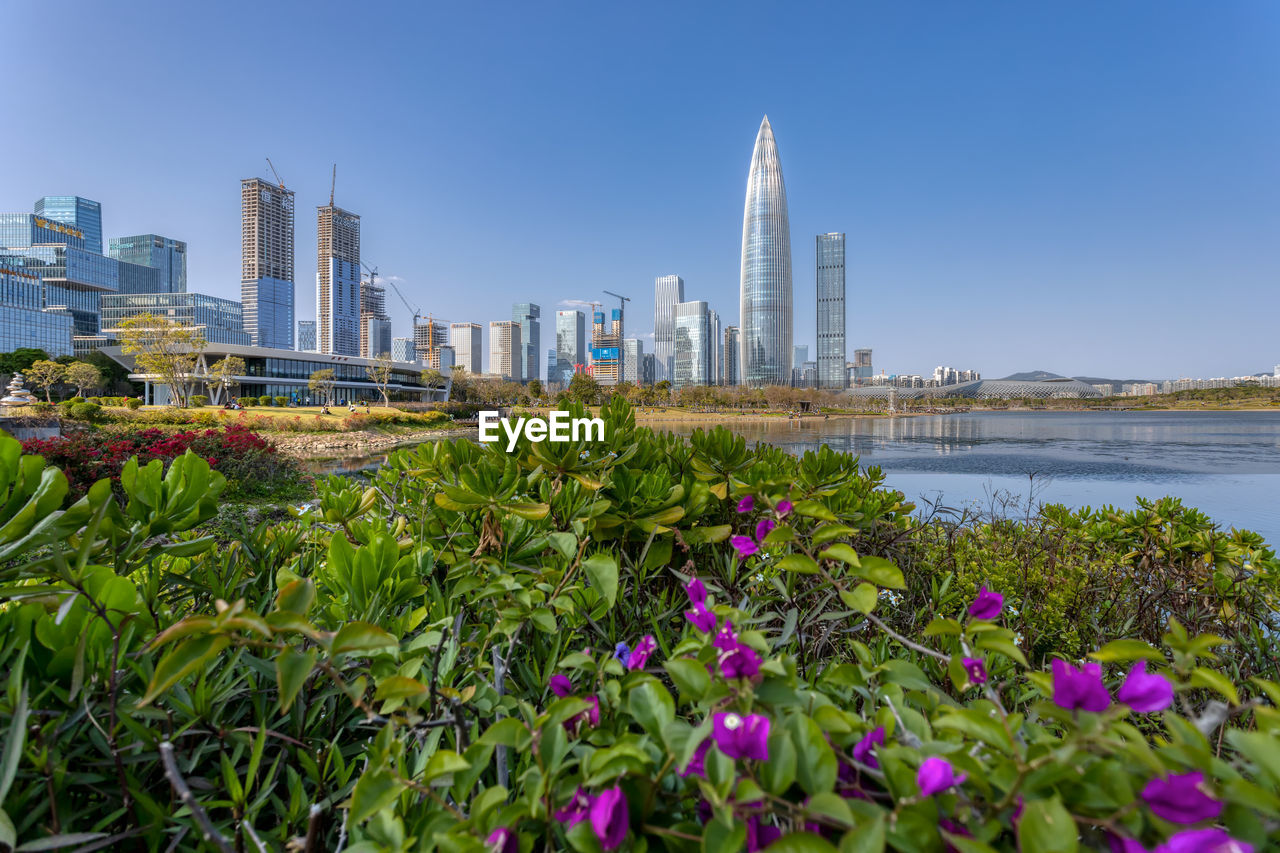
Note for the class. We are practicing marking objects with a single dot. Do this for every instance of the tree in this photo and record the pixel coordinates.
(21, 359)
(45, 374)
(84, 376)
(165, 350)
(321, 382)
(379, 371)
(535, 389)
(224, 372)
(584, 388)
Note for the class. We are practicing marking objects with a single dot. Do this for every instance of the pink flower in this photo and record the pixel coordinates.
(1181, 798)
(1145, 693)
(863, 750)
(740, 662)
(593, 713)
(609, 817)
(747, 504)
(739, 736)
(760, 835)
(1079, 688)
(784, 508)
(561, 685)
(696, 591)
(702, 618)
(763, 527)
(936, 775)
(1212, 840)
(640, 656)
(975, 669)
(578, 809)
(744, 545)
(987, 605)
(502, 840)
(697, 764)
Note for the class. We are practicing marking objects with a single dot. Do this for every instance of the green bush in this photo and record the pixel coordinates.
(134, 403)
(247, 401)
(281, 400)
(40, 409)
(264, 400)
(85, 411)
(643, 643)
(199, 401)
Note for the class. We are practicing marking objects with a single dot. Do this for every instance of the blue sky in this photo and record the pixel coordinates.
(1082, 187)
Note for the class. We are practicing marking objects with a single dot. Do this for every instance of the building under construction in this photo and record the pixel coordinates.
(606, 347)
(429, 338)
(266, 262)
(375, 323)
(338, 301)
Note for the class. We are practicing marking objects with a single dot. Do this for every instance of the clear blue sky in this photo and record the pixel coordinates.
(1082, 187)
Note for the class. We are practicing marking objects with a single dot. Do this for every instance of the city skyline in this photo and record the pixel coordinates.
(983, 163)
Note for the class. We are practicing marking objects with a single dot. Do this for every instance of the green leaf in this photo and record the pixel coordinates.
(508, 732)
(943, 627)
(779, 771)
(442, 766)
(602, 571)
(362, 637)
(867, 838)
(13, 743)
(8, 835)
(827, 532)
(1126, 650)
(374, 791)
(798, 563)
(861, 598)
(719, 838)
(652, 706)
(816, 766)
(1216, 681)
(296, 596)
(801, 842)
(880, 572)
(977, 725)
(1046, 827)
(1262, 749)
(57, 842)
(842, 553)
(292, 669)
(185, 659)
(398, 687)
(690, 677)
(565, 544)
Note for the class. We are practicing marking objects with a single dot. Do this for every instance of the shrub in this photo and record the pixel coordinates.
(85, 411)
(134, 403)
(264, 400)
(199, 401)
(281, 400)
(247, 401)
(40, 409)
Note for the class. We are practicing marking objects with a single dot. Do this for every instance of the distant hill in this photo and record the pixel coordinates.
(1033, 376)
(1042, 375)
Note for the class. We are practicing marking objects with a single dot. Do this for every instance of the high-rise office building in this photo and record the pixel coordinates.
(766, 319)
(338, 281)
(307, 335)
(693, 344)
(504, 349)
(24, 321)
(732, 341)
(648, 365)
(832, 372)
(442, 360)
(376, 333)
(428, 337)
(606, 347)
(373, 306)
(799, 355)
(862, 369)
(468, 347)
(571, 344)
(218, 320)
(632, 355)
(266, 262)
(668, 291)
(551, 366)
(165, 254)
(717, 349)
(527, 315)
(402, 350)
(80, 213)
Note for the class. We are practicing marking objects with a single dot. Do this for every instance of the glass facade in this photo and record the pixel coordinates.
(221, 320)
(266, 262)
(692, 344)
(668, 291)
(18, 230)
(632, 356)
(766, 297)
(268, 312)
(527, 315)
(80, 213)
(832, 367)
(468, 348)
(377, 332)
(73, 279)
(164, 254)
(307, 335)
(134, 278)
(571, 342)
(338, 304)
(402, 350)
(24, 322)
(732, 350)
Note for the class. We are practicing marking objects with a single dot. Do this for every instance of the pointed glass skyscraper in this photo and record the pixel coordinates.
(766, 269)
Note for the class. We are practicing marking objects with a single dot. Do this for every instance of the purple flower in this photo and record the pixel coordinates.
(726, 640)
(760, 835)
(1181, 798)
(640, 656)
(1125, 845)
(593, 713)
(622, 652)
(987, 605)
(975, 669)
(502, 840)
(1211, 840)
(702, 618)
(696, 591)
(747, 504)
(697, 764)
(609, 817)
(763, 526)
(744, 545)
(1145, 693)
(1079, 688)
(740, 736)
(741, 662)
(936, 775)
(863, 750)
(783, 508)
(578, 809)
(561, 685)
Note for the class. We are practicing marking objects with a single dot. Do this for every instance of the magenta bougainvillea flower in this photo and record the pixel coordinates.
(697, 764)
(784, 508)
(740, 662)
(937, 775)
(747, 504)
(760, 835)
(741, 736)
(609, 817)
(1143, 692)
(763, 526)
(975, 669)
(577, 810)
(1211, 840)
(1181, 798)
(702, 618)
(864, 750)
(1079, 689)
(744, 545)
(640, 655)
(561, 685)
(987, 604)
(696, 591)
(593, 713)
(502, 840)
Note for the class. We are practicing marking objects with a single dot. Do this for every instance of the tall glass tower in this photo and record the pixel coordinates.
(668, 291)
(832, 369)
(527, 314)
(766, 269)
(77, 212)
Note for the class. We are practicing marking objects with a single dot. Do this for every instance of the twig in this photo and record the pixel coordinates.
(311, 845)
(184, 793)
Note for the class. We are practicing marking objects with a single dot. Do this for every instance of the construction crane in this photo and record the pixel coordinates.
(416, 312)
(622, 300)
(274, 172)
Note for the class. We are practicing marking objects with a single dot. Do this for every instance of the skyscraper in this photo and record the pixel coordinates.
(468, 349)
(80, 213)
(668, 291)
(716, 349)
(832, 372)
(266, 262)
(402, 350)
(306, 335)
(606, 347)
(632, 356)
(766, 269)
(151, 250)
(799, 355)
(429, 335)
(693, 345)
(551, 366)
(571, 344)
(338, 281)
(373, 307)
(504, 349)
(732, 341)
(862, 367)
(527, 315)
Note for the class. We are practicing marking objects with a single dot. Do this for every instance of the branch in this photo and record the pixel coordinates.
(188, 799)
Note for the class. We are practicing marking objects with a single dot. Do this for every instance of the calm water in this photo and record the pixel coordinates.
(1225, 463)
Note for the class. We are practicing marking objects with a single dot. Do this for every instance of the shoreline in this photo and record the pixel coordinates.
(314, 445)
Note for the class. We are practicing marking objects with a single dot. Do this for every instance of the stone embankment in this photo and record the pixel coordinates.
(305, 444)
